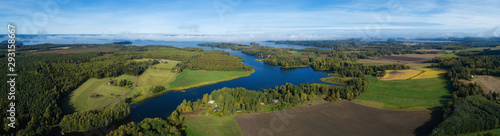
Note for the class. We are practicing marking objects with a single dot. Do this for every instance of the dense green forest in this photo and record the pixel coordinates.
(475, 113)
(92, 119)
(343, 63)
(54, 75)
(231, 100)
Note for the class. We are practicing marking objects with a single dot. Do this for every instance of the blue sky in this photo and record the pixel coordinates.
(372, 18)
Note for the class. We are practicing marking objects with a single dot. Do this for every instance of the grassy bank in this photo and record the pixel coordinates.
(212, 126)
(195, 78)
(95, 92)
(178, 81)
(418, 94)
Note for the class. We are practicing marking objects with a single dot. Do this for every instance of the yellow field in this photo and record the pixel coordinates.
(431, 73)
(399, 74)
(413, 74)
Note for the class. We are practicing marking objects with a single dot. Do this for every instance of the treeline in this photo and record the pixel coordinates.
(191, 58)
(232, 100)
(93, 119)
(344, 63)
(465, 67)
(123, 83)
(174, 125)
(147, 127)
(475, 113)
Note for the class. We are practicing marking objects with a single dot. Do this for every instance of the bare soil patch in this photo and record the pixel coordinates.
(487, 83)
(414, 60)
(340, 118)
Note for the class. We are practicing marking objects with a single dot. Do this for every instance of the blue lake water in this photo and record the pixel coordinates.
(264, 77)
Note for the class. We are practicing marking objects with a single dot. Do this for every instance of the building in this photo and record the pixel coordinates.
(177, 68)
(216, 109)
(211, 102)
(275, 101)
(261, 103)
(111, 82)
(238, 110)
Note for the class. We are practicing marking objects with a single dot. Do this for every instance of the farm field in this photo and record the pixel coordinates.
(416, 61)
(399, 74)
(178, 81)
(211, 126)
(165, 66)
(95, 92)
(487, 83)
(191, 78)
(448, 55)
(339, 118)
(418, 94)
(64, 50)
(413, 74)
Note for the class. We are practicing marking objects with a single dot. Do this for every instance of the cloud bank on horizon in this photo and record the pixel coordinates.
(257, 19)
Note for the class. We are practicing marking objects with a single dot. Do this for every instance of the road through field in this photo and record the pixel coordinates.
(339, 118)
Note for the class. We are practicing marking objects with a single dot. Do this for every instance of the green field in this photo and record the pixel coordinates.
(212, 126)
(336, 80)
(192, 78)
(81, 99)
(178, 81)
(448, 55)
(417, 94)
(301, 53)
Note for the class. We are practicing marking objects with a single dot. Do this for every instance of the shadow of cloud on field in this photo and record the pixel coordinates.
(427, 127)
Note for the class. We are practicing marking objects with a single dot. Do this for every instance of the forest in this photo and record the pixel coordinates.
(54, 75)
(232, 100)
(92, 119)
(474, 113)
(343, 63)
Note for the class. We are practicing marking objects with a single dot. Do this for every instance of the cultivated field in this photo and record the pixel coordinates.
(64, 50)
(339, 118)
(95, 92)
(417, 94)
(413, 74)
(162, 76)
(416, 61)
(166, 65)
(211, 126)
(399, 74)
(487, 83)
(192, 78)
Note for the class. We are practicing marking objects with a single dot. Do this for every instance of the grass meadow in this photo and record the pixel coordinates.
(81, 98)
(418, 94)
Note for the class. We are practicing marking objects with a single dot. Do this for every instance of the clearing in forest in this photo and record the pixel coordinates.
(487, 83)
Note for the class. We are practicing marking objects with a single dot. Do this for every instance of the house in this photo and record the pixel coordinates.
(111, 82)
(238, 110)
(216, 109)
(275, 101)
(211, 102)
(261, 103)
(177, 68)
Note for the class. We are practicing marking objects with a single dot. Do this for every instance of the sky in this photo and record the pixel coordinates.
(325, 19)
